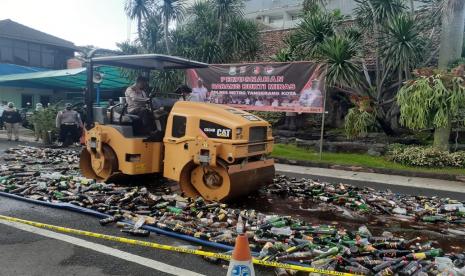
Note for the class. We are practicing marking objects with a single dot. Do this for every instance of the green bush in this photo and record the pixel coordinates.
(458, 158)
(419, 156)
(44, 121)
(358, 123)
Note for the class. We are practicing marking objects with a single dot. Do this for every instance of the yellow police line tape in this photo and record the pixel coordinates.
(173, 248)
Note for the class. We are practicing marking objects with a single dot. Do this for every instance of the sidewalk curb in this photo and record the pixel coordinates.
(449, 177)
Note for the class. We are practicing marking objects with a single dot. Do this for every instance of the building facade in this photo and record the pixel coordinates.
(285, 14)
(32, 51)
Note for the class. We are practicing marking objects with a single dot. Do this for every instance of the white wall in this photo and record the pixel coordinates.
(261, 10)
(13, 94)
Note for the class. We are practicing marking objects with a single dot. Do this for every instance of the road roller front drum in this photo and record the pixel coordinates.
(221, 183)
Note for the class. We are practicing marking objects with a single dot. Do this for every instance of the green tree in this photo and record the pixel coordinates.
(393, 40)
(312, 6)
(225, 11)
(463, 48)
(453, 26)
(139, 10)
(433, 100)
(153, 34)
(195, 39)
(170, 11)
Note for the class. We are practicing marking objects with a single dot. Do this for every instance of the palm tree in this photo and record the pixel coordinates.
(402, 47)
(396, 48)
(453, 25)
(371, 16)
(171, 10)
(240, 40)
(312, 31)
(312, 6)
(152, 34)
(226, 10)
(139, 10)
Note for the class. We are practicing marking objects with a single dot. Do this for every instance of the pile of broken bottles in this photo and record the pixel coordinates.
(52, 175)
(369, 201)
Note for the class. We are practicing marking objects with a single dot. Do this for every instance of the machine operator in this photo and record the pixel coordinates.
(137, 100)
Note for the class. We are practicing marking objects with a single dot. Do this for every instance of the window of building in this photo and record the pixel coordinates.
(26, 101)
(275, 19)
(6, 50)
(21, 52)
(34, 55)
(44, 100)
(60, 59)
(48, 58)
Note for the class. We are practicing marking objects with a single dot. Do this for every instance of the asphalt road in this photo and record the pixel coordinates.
(27, 252)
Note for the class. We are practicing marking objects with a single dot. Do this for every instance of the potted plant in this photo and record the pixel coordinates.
(45, 122)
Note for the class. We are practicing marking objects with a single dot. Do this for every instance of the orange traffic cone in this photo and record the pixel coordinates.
(241, 261)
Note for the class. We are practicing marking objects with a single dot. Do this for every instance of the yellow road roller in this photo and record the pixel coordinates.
(215, 151)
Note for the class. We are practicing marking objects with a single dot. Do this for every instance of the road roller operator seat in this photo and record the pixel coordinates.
(160, 109)
(119, 115)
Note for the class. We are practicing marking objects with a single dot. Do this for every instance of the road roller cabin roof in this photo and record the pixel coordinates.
(148, 61)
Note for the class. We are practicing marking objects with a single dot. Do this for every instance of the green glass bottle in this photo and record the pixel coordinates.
(174, 210)
(58, 195)
(433, 218)
(331, 252)
(279, 223)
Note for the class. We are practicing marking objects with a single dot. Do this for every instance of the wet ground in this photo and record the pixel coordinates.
(451, 238)
(318, 213)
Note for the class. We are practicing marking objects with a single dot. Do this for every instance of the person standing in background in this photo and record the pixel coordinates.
(37, 132)
(185, 92)
(68, 122)
(199, 93)
(111, 103)
(11, 119)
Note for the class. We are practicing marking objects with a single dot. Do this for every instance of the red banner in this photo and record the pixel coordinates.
(280, 87)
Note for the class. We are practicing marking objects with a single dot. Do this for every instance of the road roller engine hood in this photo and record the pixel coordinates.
(223, 123)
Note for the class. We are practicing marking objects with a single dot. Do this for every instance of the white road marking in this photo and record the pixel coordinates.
(103, 249)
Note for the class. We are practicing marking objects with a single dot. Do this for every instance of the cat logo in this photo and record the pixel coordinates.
(223, 133)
